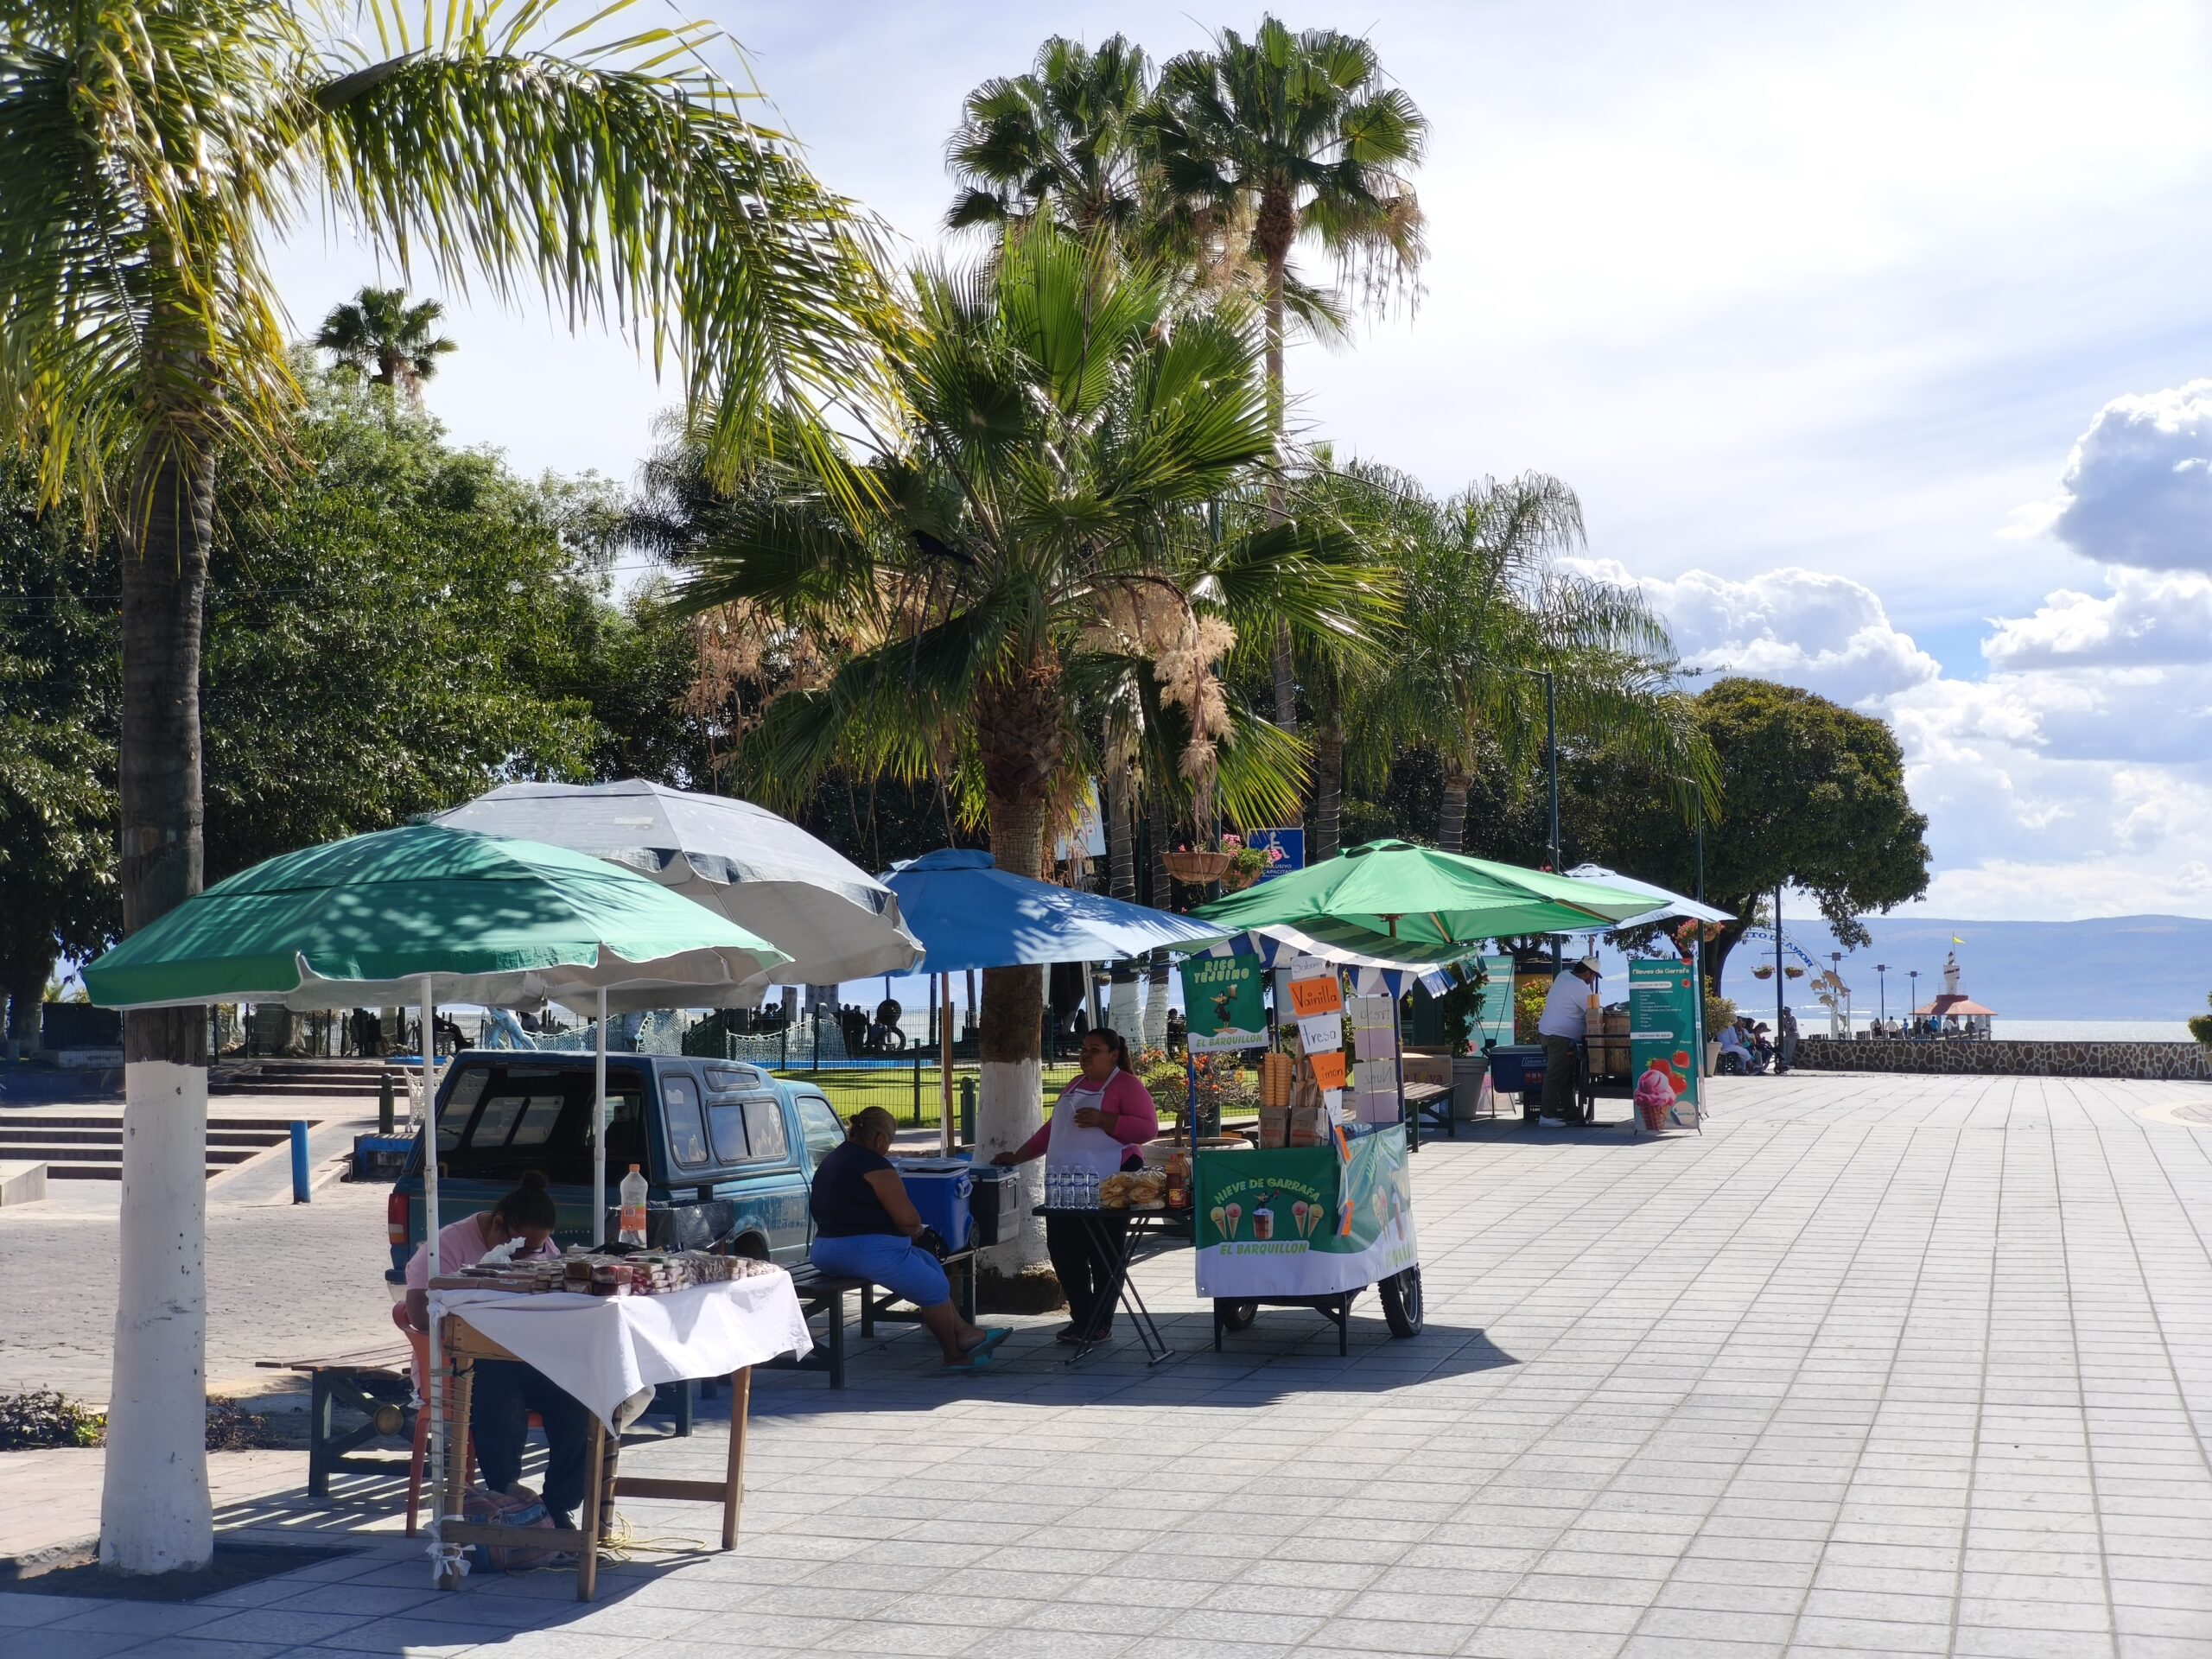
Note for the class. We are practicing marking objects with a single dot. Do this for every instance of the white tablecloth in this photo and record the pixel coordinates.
(605, 1348)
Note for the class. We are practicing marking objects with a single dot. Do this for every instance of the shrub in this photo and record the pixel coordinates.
(44, 1418)
(2200, 1026)
(1720, 1014)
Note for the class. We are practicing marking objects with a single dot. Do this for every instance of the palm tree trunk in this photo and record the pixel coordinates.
(156, 1514)
(1156, 993)
(1018, 733)
(1328, 789)
(1123, 1009)
(1275, 230)
(1451, 815)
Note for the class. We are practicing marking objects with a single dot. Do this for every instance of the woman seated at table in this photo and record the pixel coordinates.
(1097, 1125)
(865, 1227)
(506, 1391)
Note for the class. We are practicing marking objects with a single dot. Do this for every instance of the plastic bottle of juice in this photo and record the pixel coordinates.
(632, 1229)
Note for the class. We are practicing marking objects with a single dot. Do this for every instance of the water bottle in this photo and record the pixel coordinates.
(1090, 1191)
(632, 1226)
(1051, 1188)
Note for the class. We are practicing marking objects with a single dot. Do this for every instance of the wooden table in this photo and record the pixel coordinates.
(463, 1346)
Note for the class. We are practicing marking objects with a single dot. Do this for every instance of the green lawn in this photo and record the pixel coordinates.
(850, 1088)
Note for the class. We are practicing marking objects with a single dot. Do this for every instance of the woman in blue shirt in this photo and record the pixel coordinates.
(865, 1227)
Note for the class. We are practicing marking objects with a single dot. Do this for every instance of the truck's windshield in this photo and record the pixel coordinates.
(502, 1119)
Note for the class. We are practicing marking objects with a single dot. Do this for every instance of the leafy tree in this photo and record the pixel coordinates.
(1028, 547)
(1812, 795)
(379, 334)
(1282, 138)
(1058, 143)
(146, 153)
(57, 747)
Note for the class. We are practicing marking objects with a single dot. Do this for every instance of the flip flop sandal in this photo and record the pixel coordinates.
(992, 1336)
(978, 1360)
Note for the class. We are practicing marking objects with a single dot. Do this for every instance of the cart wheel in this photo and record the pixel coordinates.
(1401, 1295)
(1235, 1315)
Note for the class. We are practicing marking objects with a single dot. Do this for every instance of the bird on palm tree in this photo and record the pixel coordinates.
(1288, 138)
(148, 153)
(379, 334)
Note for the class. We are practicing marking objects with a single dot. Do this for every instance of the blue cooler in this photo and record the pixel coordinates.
(940, 1188)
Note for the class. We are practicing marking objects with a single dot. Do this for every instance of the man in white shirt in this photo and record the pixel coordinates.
(1564, 1023)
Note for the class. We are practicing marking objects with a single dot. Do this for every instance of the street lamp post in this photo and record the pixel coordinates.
(1914, 1011)
(1881, 970)
(1835, 973)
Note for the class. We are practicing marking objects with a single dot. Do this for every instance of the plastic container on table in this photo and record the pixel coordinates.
(941, 1189)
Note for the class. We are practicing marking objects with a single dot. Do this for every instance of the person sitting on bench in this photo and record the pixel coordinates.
(865, 1227)
(507, 1391)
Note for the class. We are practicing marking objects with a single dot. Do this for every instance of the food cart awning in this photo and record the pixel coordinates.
(834, 919)
(1667, 905)
(1414, 895)
(1379, 963)
(969, 913)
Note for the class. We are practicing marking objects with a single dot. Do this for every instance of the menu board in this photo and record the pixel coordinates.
(1662, 1031)
(1375, 1038)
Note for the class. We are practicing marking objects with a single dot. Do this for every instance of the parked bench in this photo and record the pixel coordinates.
(373, 1381)
(825, 1292)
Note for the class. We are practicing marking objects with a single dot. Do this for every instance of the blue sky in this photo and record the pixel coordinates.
(1813, 307)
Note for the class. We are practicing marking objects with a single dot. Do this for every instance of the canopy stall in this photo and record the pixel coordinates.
(969, 914)
(438, 913)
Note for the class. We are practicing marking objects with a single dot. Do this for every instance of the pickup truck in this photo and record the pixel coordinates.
(729, 1151)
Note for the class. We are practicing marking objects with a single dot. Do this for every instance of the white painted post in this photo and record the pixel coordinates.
(599, 1135)
(434, 1479)
(155, 1513)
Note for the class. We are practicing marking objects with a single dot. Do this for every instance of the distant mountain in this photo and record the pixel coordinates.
(2111, 968)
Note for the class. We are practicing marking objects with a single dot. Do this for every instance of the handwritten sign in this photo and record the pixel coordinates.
(1312, 996)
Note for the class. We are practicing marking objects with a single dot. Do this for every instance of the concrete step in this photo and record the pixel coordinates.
(22, 1183)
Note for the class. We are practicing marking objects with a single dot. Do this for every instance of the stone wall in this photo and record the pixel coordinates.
(2155, 1061)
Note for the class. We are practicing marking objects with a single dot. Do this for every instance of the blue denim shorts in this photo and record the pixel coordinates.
(897, 1264)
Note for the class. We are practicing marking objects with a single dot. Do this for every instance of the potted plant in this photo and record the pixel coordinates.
(1246, 864)
(1720, 1014)
(1198, 866)
(1765, 970)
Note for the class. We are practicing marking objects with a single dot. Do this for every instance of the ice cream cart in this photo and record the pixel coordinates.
(1322, 1209)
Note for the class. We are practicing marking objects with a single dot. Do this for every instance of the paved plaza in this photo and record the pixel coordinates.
(1875, 1365)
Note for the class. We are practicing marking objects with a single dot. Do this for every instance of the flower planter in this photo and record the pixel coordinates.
(1196, 869)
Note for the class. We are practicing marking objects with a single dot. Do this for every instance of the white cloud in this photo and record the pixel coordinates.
(2147, 618)
(2138, 484)
(1809, 628)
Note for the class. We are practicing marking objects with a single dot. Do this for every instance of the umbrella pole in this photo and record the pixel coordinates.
(435, 1386)
(945, 1059)
(599, 1136)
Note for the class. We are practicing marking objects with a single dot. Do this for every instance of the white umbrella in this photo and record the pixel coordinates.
(1666, 905)
(835, 920)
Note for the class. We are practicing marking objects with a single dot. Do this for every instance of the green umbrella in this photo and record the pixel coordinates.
(1419, 895)
(443, 915)
(485, 919)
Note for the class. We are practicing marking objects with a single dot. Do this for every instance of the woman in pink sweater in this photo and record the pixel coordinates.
(1097, 1126)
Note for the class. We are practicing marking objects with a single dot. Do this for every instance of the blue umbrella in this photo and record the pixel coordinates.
(969, 913)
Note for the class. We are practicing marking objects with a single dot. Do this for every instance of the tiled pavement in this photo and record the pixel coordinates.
(1896, 1366)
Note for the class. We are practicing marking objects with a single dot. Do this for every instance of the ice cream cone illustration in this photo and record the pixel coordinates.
(1298, 1218)
(1236, 1215)
(1380, 1204)
(1220, 1219)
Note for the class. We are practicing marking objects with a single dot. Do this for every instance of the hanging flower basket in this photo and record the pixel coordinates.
(1793, 973)
(1196, 869)
(1765, 970)
(1234, 880)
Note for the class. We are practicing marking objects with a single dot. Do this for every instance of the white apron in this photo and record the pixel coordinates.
(1091, 1152)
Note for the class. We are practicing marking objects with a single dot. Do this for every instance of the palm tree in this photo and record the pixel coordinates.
(148, 154)
(1030, 551)
(1285, 136)
(1487, 612)
(1058, 143)
(378, 333)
